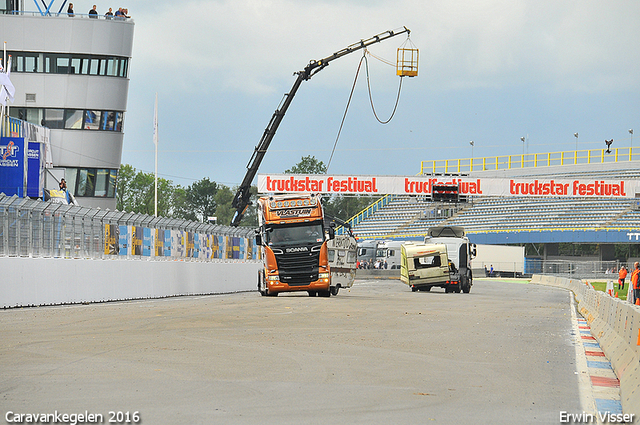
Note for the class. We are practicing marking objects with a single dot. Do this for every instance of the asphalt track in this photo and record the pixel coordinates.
(375, 354)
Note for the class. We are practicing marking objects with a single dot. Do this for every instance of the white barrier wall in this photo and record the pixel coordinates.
(616, 326)
(46, 281)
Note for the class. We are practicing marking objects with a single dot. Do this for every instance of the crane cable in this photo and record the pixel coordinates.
(373, 108)
(355, 80)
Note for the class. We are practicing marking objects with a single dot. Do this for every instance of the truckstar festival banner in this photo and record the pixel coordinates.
(422, 185)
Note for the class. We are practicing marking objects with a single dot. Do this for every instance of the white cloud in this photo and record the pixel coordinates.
(254, 45)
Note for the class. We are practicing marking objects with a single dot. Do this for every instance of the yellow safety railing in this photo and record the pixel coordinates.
(533, 160)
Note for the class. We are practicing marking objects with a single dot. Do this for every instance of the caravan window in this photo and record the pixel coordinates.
(427, 262)
(331, 255)
(351, 257)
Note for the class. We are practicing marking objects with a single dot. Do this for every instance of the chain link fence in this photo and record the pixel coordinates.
(575, 269)
(33, 228)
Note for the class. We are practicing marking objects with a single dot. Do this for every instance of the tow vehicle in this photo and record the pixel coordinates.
(293, 239)
(444, 260)
(460, 252)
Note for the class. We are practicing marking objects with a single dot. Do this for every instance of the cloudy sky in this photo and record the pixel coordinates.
(490, 71)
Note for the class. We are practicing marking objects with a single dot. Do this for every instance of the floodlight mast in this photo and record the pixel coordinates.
(241, 200)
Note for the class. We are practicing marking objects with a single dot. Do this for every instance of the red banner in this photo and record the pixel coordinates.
(419, 185)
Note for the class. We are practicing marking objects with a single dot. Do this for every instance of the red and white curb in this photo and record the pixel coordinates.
(599, 385)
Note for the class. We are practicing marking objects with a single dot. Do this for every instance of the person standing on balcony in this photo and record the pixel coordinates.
(93, 13)
(70, 11)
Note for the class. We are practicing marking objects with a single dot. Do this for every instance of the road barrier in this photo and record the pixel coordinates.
(52, 281)
(52, 253)
(616, 326)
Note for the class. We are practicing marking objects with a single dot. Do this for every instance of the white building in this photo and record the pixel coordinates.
(71, 74)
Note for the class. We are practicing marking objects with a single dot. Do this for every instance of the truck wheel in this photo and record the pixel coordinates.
(468, 282)
(262, 287)
(413, 289)
(335, 290)
(325, 294)
(312, 293)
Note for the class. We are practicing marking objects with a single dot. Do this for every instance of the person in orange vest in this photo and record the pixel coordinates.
(622, 274)
(634, 281)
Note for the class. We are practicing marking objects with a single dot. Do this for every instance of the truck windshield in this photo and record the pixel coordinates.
(295, 234)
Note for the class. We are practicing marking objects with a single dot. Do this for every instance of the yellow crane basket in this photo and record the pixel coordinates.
(407, 60)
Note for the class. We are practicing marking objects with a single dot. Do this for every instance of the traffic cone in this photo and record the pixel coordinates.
(616, 295)
(637, 301)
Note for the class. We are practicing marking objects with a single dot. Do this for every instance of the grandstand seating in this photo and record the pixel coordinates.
(400, 218)
(411, 217)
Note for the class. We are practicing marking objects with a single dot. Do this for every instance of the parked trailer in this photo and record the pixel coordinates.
(367, 252)
(389, 251)
(507, 261)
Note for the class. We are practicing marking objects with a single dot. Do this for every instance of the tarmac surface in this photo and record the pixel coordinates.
(375, 354)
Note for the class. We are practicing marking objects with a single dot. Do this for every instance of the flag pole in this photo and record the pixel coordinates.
(155, 141)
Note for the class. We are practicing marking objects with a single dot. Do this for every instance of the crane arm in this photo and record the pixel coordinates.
(242, 198)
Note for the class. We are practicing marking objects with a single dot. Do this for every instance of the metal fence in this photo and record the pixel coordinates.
(33, 228)
(575, 269)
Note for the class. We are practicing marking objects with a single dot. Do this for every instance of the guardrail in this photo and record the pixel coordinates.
(534, 160)
(63, 14)
(366, 213)
(616, 326)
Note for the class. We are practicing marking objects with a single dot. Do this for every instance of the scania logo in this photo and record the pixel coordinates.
(298, 249)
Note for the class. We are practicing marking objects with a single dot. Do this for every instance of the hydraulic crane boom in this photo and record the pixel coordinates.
(241, 200)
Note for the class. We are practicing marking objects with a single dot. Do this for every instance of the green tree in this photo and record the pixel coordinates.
(123, 186)
(224, 210)
(180, 206)
(308, 165)
(346, 206)
(200, 197)
(136, 192)
(339, 206)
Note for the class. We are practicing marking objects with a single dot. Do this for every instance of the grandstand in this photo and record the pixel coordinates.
(517, 220)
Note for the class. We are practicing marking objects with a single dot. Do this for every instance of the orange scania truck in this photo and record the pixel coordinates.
(293, 238)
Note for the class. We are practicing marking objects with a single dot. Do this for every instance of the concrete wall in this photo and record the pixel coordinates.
(47, 281)
(378, 274)
(616, 326)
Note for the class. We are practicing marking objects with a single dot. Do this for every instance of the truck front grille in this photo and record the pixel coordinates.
(298, 268)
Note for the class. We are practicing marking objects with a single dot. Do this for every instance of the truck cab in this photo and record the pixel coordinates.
(294, 245)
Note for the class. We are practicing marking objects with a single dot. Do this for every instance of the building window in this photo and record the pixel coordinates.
(86, 184)
(69, 63)
(92, 120)
(53, 118)
(111, 184)
(71, 119)
(92, 182)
